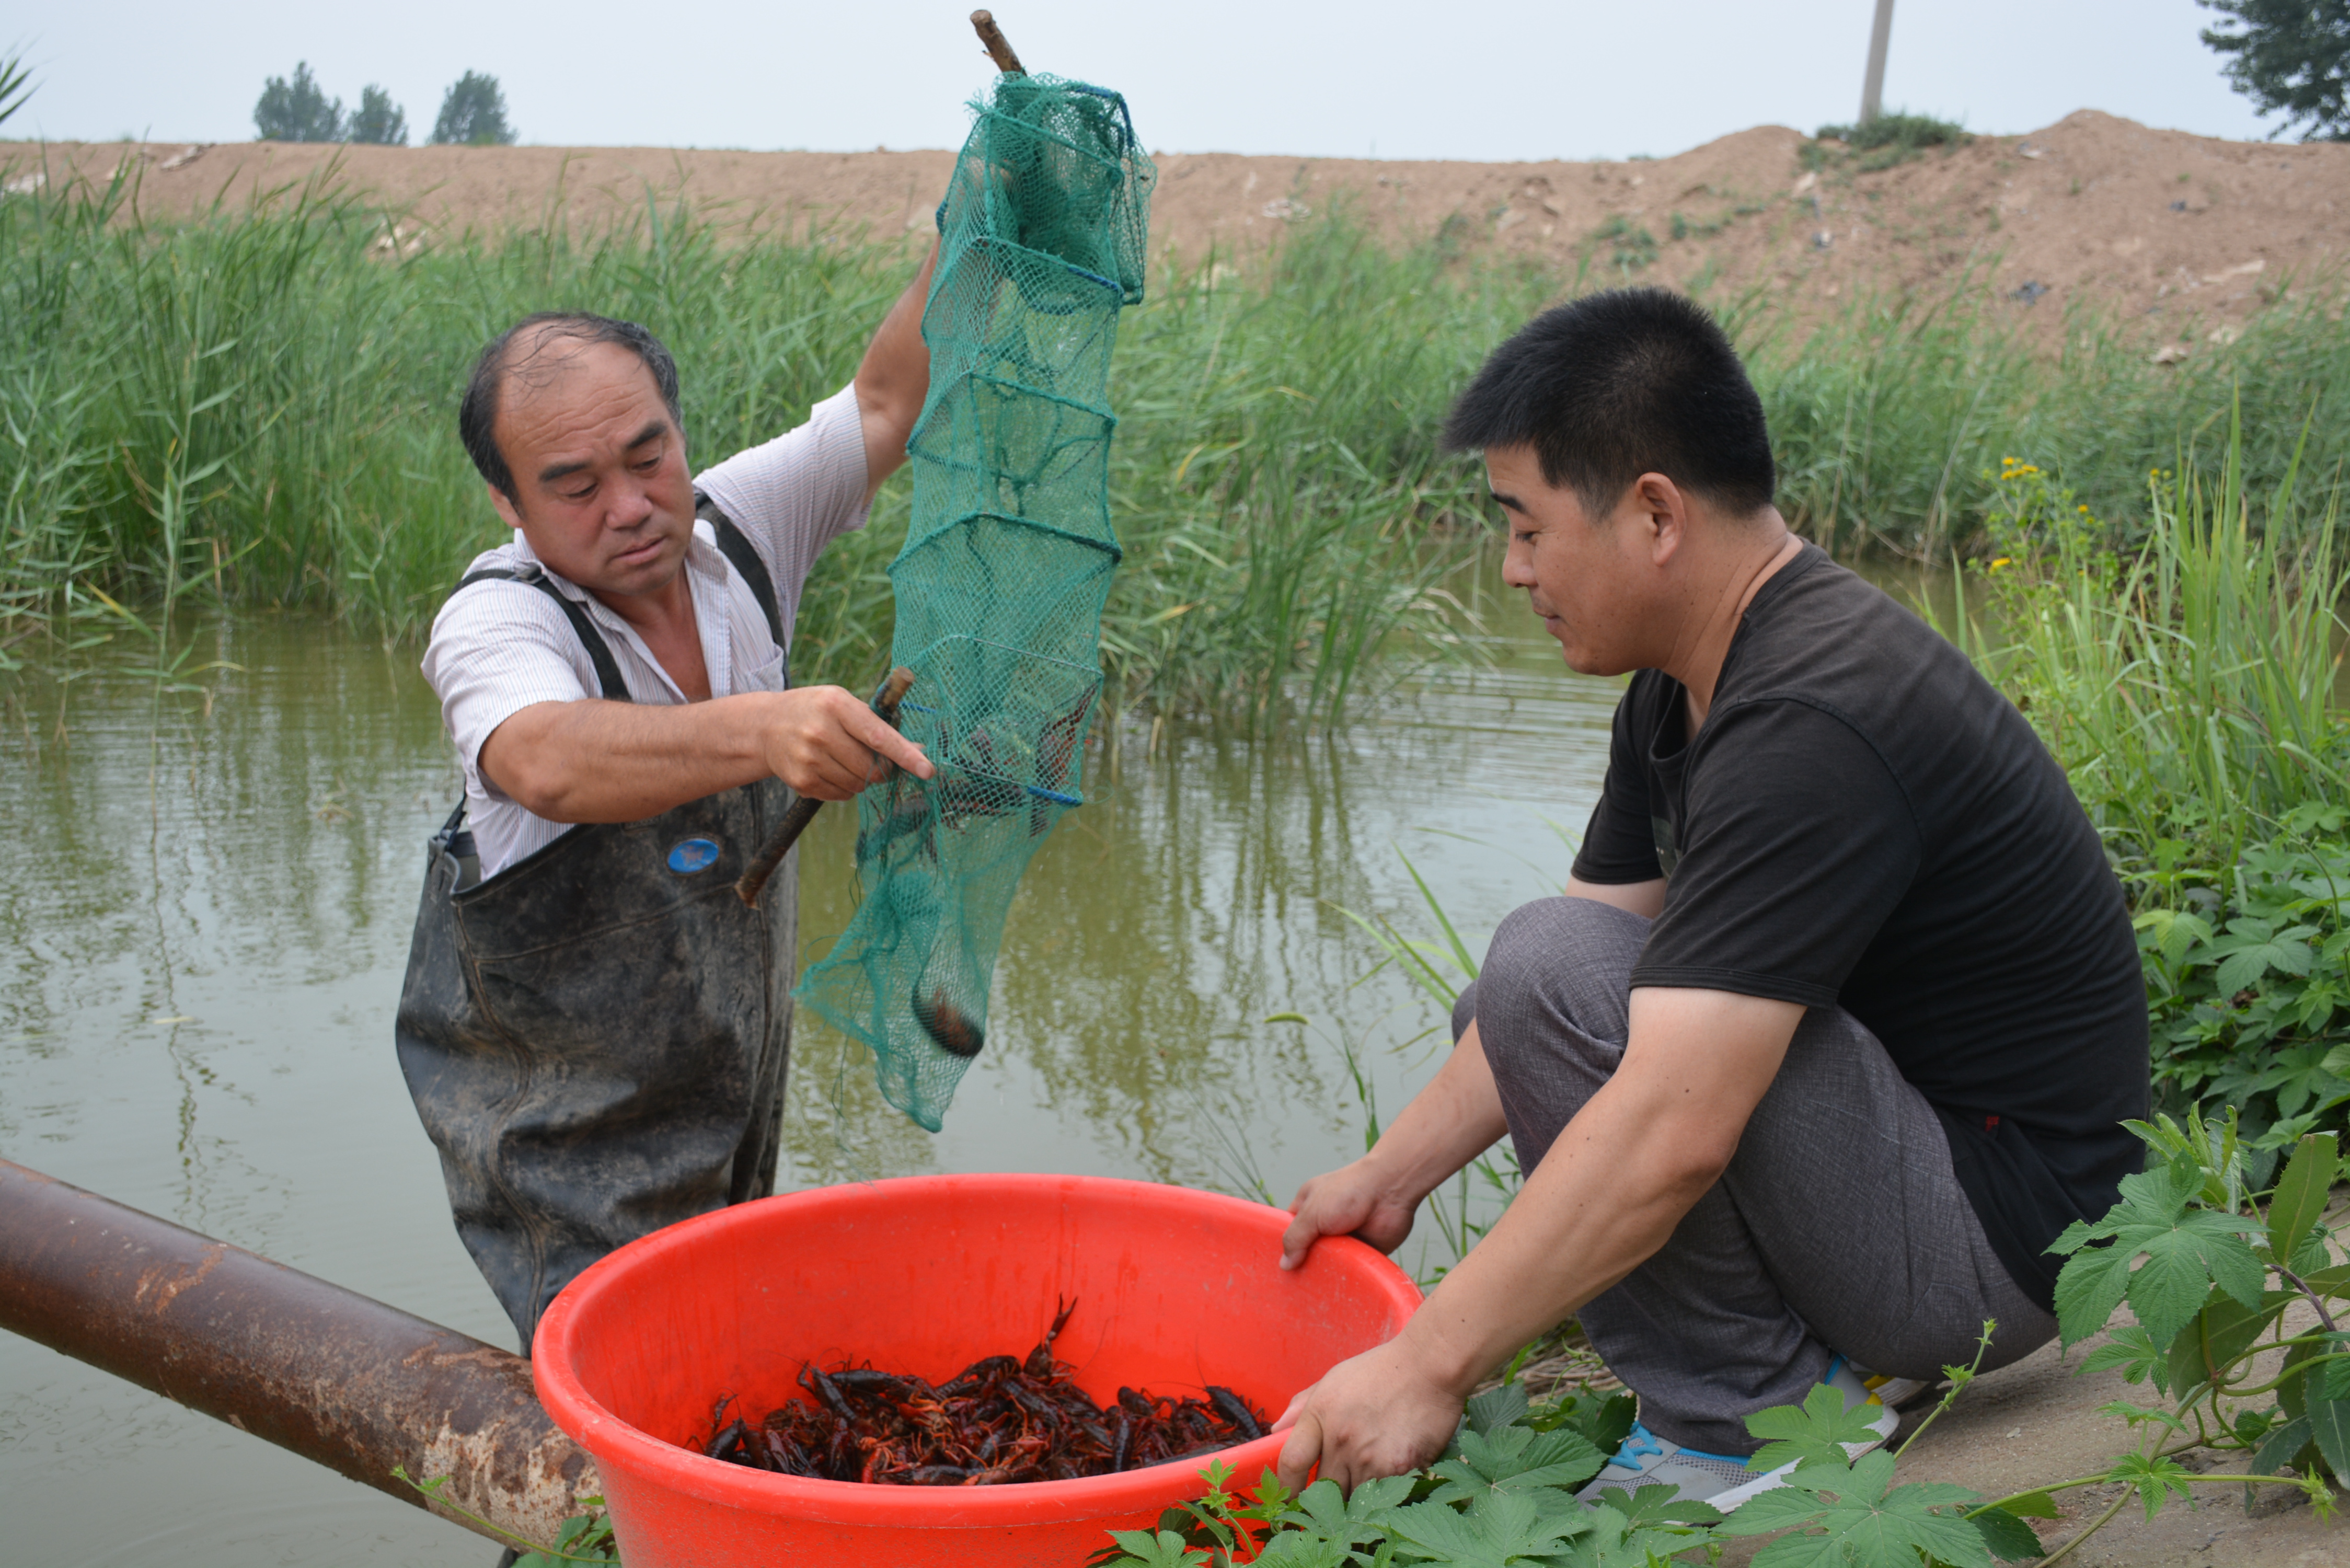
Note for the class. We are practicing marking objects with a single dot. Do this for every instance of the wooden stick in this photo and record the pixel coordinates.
(753, 880)
(999, 48)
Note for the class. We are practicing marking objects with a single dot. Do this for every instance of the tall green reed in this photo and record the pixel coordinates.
(256, 408)
(2187, 679)
(2187, 675)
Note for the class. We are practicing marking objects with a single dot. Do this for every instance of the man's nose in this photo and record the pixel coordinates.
(630, 504)
(1517, 568)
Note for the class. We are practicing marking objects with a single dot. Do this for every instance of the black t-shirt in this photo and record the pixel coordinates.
(1862, 821)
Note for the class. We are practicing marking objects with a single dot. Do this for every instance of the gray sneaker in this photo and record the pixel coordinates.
(1723, 1480)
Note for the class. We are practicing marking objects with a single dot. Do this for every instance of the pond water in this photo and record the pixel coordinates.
(206, 899)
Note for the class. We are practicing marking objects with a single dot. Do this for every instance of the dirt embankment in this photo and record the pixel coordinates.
(2192, 231)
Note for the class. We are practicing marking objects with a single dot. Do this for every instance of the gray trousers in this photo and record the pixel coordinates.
(1838, 1228)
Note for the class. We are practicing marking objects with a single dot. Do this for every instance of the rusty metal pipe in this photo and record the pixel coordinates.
(356, 1385)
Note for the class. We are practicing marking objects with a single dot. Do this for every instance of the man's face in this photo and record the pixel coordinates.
(601, 487)
(1586, 579)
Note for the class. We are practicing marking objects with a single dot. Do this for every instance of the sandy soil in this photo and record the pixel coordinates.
(2037, 1422)
(2191, 231)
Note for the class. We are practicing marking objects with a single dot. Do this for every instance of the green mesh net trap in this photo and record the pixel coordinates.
(1007, 566)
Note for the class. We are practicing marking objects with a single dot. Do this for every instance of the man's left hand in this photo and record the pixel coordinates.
(1380, 1414)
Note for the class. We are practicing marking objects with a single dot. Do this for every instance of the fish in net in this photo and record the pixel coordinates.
(1006, 565)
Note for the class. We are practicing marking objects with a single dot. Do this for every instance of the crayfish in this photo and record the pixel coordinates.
(1001, 1420)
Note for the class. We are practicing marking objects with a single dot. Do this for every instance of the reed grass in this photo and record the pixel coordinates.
(2188, 678)
(256, 408)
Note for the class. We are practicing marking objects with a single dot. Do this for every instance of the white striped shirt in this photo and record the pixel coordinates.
(500, 646)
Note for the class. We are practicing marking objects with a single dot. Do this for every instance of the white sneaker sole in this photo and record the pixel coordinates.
(1771, 1480)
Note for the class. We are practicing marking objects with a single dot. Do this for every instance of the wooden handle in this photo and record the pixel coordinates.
(753, 880)
(999, 48)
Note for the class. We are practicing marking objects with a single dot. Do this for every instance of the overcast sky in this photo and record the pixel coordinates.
(1486, 79)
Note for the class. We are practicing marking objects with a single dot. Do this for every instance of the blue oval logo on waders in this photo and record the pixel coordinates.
(692, 855)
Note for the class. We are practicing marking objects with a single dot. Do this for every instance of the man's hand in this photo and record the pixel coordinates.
(1615, 1182)
(1380, 1414)
(593, 761)
(1448, 1123)
(827, 744)
(1355, 1200)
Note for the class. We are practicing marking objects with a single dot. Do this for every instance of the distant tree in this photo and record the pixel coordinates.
(296, 110)
(380, 122)
(2290, 57)
(473, 114)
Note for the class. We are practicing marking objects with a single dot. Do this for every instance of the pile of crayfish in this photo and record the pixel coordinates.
(1003, 1419)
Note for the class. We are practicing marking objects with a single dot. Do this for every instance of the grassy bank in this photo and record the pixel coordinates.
(2188, 680)
(258, 408)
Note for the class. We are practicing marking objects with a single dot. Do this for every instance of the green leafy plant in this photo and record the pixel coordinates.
(2207, 1266)
(2185, 679)
(1629, 247)
(1893, 138)
(583, 1538)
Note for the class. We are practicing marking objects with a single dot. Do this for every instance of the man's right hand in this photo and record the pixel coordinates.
(1352, 1200)
(827, 744)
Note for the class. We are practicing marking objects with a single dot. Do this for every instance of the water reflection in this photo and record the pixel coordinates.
(205, 907)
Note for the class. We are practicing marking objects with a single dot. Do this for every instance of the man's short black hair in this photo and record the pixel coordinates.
(1619, 384)
(478, 413)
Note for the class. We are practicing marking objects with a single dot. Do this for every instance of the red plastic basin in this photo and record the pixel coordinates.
(1176, 1289)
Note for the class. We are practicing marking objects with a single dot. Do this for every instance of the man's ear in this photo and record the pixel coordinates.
(1664, 511)
(505, 506)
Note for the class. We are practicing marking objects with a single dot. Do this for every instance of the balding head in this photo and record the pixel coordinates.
(533, 355)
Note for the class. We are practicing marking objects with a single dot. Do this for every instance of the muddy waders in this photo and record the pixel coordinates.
(596, 1037)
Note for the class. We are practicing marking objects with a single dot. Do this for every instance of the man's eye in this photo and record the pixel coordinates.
(649, 464)
(580, 494)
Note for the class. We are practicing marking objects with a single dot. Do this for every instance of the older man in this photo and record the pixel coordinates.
(594, 1028)
(1833, 1030)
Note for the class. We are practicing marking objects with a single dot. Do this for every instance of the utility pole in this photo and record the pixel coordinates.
(1872, 88)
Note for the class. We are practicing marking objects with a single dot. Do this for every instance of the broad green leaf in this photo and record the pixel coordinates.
(1856, 1519)
(2299, 1201)
(2329, 1423)
(2131, 1348)
(2218, 1334)
(1615, 1541)
(1497, 1530)
(1607, 1422)
(2293, 1377)
(1497, 1407)
(2006, 1536)
(1816, 1430)
(1516, 1459)
(1322, 1509)
(2033, 1505)
(2281, 1447)
(2184, 1252)
(1161, 1549)
(2201, 1250)
(2157, 1479)
(1659, 1503)
(1293, 1548)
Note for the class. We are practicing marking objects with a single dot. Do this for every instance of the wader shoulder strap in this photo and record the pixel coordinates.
(608, 671)
(735, 545)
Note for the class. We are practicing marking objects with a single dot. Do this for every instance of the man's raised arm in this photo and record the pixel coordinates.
(893, 380)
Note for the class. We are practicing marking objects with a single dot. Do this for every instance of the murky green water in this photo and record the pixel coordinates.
(206, 914)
